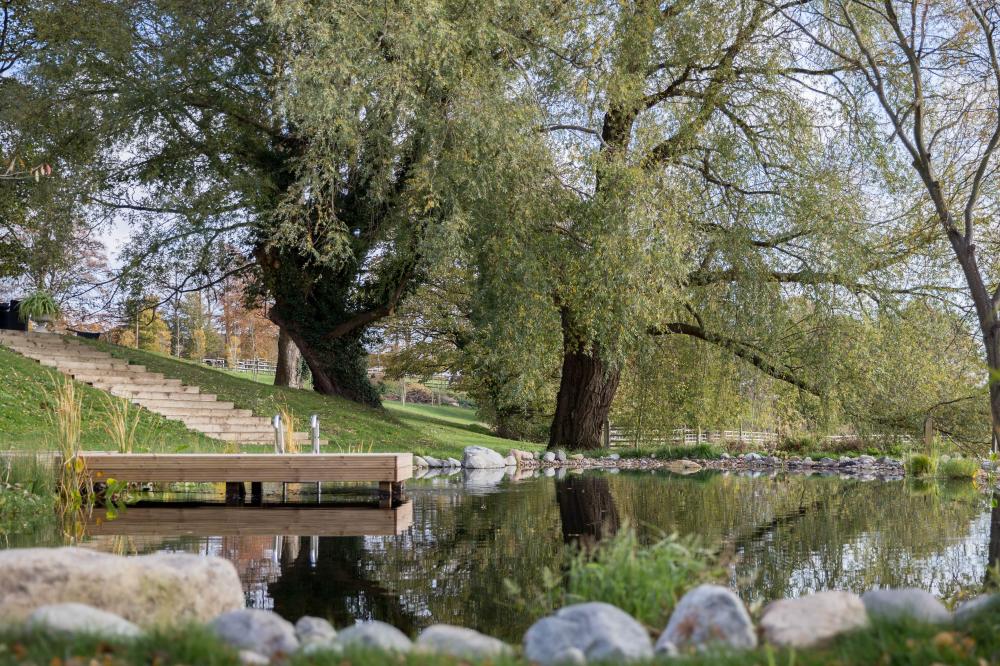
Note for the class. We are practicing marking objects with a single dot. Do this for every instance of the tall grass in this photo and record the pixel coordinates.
(67, 422)
(288, 429)
(122, 423)
(28, 471)
(645, 581)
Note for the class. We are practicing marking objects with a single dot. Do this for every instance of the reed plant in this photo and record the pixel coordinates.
(288, 429)
(921, 464)
(122, 423)
(67, 423)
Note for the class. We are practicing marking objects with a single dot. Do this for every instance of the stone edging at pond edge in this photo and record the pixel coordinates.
(709, 617)
(480, 457)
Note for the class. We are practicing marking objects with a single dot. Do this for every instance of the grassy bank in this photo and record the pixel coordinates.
(887, 644)
(25, 387)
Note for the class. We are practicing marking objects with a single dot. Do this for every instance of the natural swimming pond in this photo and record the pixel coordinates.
(443, 555)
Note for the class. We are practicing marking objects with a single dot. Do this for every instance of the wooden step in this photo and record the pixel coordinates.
(194, 411)
(155, 404)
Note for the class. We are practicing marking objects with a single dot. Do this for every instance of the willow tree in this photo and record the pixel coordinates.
(664, 123)
(925, 77)
(315, 148)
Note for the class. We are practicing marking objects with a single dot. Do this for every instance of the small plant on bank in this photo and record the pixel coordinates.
(959, 468)
(40, 306)
(921, 464)
(702, 451)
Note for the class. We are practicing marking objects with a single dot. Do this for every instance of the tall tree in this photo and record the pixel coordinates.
(926, 75)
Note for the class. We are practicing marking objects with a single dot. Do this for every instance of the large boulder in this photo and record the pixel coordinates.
(149, 590)
(461, 643)
(74, 619)
(256, 630)
(480, 457)
(813, 619)
(908, 603)
(592, 631)
(708, 615)
(374, 636)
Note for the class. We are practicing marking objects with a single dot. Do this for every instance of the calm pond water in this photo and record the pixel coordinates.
(442, 556)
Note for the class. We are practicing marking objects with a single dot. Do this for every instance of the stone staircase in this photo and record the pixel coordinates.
(201, 412)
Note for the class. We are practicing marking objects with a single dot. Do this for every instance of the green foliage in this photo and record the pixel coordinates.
(37, 306)
(920, 464)
(702, 451)
(959, 468)
(644, 580)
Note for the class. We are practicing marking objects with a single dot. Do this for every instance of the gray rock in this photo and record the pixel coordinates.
(454, 462)
(480, 457)
(510, 461)
(251, 658)
(549, 456)
(594, 631)
(967, 610)
(314, 630)
(461, 643)
(150, 590)
(549, 471)
(561, 455)
(576, 456)
(375, 636)
(725, 456)
(326, 647)
(75, 619)
(614, 456)
(827, 461)
(419, 462)
(708, 614)
(256, 630)
(909, 602)
(433, 462)
(813, 619)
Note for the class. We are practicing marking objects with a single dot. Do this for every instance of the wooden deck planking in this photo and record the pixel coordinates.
(265, 467)
(253, 521)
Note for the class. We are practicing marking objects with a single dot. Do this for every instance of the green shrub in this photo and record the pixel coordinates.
(798, 443)
(645, 581)
(702, 451)
(959, 468)
(920, 464)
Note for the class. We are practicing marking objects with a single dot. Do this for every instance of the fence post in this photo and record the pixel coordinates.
(279, 434)
(699, 434)
(606, 433)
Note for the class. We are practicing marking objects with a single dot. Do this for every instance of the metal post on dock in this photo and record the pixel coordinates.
(313, 551)
(314, 430)
(279, 434)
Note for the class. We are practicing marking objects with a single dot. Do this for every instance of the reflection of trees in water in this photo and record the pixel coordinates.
(993, 558)
(793, 533)
(587, 510)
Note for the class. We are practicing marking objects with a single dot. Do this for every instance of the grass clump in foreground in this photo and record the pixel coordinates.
(645, 581)
(884, 643)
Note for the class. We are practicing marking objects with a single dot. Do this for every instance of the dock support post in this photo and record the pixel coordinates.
(236, 492)
(256, 493)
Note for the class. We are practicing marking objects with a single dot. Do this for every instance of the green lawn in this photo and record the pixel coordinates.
(439, 431)
(25, 404)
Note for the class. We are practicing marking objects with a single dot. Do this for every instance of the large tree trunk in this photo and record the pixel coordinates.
(587, 510)
(992, 342)
(587, 388)
(286, 373)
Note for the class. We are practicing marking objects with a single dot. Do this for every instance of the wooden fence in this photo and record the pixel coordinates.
(689, 436)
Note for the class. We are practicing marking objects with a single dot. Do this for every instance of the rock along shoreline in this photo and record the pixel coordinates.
(707, 618)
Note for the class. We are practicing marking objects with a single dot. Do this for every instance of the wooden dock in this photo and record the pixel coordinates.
(165, 520)
(389, 470)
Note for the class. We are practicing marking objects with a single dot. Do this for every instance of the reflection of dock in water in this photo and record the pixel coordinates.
(164, 519)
